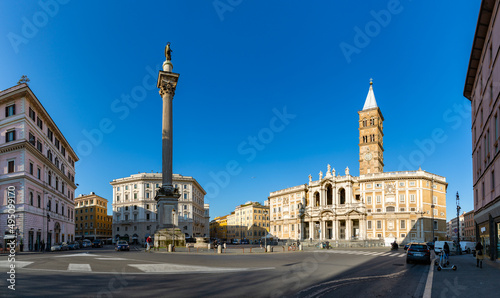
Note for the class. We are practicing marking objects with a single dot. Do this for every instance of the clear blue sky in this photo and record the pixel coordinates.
(240, 62)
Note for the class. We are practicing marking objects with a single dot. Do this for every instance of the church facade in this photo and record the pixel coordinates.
(390, 206)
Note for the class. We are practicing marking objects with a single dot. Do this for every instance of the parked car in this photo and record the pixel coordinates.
(97, 243)
(59, 246)
(245, 241)
(438, 246)
(73, 245)
(86, 243)
(406, 246)
(122, 245)
(418, 252)
(235, 241)
(467, 246)
(190, 240)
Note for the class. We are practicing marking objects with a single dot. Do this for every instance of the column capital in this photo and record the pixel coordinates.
(167, 89)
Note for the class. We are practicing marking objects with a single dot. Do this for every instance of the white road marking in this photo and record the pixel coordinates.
(19, 264)
(402, 255)
(112, 259)
(174, 268)
(79, 267)
(78, 255)
(428, 285)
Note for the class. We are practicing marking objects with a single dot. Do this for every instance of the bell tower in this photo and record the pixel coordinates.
(371, 149)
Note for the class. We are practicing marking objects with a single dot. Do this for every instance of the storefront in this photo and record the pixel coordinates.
(489, 235)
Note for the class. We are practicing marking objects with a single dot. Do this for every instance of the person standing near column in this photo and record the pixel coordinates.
(479, 255)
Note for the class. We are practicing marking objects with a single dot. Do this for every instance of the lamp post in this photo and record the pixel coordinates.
(432, 209)
(458, 225)
(47, 247)
(173, 228)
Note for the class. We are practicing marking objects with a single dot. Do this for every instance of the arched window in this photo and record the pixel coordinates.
(342, 196)
(316, 199)
(390, 209)
(329, 195)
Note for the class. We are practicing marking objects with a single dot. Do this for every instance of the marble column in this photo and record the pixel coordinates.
(348, 229)
(167, 196)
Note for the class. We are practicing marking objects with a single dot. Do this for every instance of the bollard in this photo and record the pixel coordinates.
(300, 247)
(170, 248)
(209, 247)
(268, 248)
(219, 249)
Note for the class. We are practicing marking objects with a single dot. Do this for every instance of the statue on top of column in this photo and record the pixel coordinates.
(168, 52)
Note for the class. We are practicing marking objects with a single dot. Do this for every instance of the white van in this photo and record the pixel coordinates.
(467, 246)
(438, 247)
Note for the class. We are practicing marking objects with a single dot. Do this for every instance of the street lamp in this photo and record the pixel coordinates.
(432, 208)
(47, 240)
(458, 224)
(173, 228)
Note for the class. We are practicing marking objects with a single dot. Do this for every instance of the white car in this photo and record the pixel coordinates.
(438, 246)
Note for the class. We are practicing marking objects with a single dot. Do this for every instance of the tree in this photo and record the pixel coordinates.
(23, 80)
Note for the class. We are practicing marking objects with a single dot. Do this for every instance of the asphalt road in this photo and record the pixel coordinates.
(106, 273)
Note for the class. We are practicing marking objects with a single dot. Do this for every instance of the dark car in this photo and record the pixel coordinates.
(73, 245)
(406, 246)
(97, 243)
(418, 252)
(245, 241)
(190, 240)
(122, 245)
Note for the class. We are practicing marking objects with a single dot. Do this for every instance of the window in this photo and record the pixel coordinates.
(31, 168)
(185, 196)
(147, 206)
(412, 209)
(10, 136)
(147, 195)
(39, 122)
(135, 196)
(126, 197)
(412, 183)
(435, 225)
(38, 173)
(118, 198)
(492, 180)
(390, 209)
(147, 216)
(379, 199)
(32, 139)
(378, 185)
(118, 188)
(10, 110)
(412, 223)
(50, 135)
(412, 198)
(10, 166)
(135, 186)
(401, 198)
(126, 187)
(369, 224)
(403, 235)
(403, 224)
(379, 224)
(63, 151)
(56, 142)
(369, 185)
(402, 209)
(32, 114)
(39, 199)
(401, 184)
(31, 198)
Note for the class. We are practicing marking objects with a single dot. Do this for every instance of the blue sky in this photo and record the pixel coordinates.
(241, 64)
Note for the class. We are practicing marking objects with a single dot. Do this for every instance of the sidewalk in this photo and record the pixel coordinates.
(468, 280)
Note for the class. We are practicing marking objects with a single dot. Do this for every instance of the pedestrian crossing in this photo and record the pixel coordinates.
(366, 253)
(131, 266)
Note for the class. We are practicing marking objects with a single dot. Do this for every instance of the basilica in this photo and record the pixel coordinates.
(390, 206)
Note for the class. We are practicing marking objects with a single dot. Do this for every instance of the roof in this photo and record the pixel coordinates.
(370, 101)
(483, 23)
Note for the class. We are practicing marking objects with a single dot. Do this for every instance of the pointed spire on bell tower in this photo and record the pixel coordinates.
(370, 101)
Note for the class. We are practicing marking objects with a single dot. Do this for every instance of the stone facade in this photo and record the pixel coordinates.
(38, 162)
(91, 218)
(402, 206)
(135, 210)
(482, 88)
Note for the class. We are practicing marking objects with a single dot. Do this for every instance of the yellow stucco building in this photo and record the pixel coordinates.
(402, 206)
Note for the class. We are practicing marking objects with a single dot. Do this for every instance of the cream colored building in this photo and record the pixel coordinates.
(401, 206)
(134, 207)
(248, 221)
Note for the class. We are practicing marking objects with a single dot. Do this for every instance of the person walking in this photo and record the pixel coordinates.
(148, 244)
(479, 255)
(446, 249)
